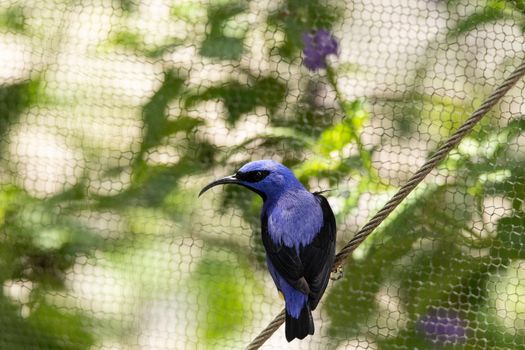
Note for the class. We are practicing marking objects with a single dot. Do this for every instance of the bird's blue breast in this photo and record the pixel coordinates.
(294, 219)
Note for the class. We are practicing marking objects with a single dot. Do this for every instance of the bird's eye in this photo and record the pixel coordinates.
(252, 176)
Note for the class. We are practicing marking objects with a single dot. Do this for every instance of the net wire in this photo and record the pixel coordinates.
(113, 115)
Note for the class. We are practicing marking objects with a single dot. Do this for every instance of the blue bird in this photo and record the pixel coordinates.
(298, 233)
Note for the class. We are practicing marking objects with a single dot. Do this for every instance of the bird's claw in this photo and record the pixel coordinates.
(337, 273)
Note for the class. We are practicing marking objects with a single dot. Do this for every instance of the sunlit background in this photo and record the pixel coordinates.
(113, 115)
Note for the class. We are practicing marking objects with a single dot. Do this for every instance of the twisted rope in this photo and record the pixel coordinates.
(405, 190)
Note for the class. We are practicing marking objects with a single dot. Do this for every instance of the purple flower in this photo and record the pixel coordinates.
(317, 45)
(442, 326)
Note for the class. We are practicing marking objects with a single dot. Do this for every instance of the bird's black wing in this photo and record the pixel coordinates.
(318, 256)
(284, 259)
(310, 270)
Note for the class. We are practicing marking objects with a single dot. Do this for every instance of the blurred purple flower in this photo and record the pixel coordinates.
(443, 326)
(317, 45)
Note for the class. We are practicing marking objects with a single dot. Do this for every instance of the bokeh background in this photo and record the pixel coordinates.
(113, 114)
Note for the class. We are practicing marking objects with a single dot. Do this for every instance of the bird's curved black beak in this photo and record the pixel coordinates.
(225, 180)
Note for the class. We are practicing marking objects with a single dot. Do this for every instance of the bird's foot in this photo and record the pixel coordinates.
(337, 273)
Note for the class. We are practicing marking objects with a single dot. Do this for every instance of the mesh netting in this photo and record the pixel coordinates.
(114, 114)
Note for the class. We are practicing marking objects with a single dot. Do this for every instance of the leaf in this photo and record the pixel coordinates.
(70, 327)
(136, 43)
(155, 111)
(189, 12)
(127, 5)
(432, 277)
(217, 44)
(352, 301)
(223, 287)
(14, 99)
(511, 237)
(270, 92)
(151, 184)
(13, 19)
(222, 47)
(407, 338)
(182, 123)
(336, 137)
(237, 98)
(487, 15)
(20, 334)
(160, 50)
(240, 98)
(129, 40)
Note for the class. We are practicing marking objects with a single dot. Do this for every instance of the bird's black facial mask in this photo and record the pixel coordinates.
(240, 178)
(252, 176)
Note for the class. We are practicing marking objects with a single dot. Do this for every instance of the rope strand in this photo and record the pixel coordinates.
(437, 157)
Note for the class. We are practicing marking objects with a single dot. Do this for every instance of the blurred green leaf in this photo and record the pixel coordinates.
(345, 132)
(511, 237)
(239, 98)
(155, 111)
(217, 44)
(42, 238)
(190, 12)
(151, 184)
(67, 326)
(487, 333)
(13, 19)
(160, 50)
(408, 338)
(495, 10)
(433, 275)
(21, 334)
(14, 99)
(352, 301)
(269, 92)
(222, 47)
(182, 123)
(135, 42)
(39, 243)
(127, 5)
(336, 137)
(223, 285)
(129, 40)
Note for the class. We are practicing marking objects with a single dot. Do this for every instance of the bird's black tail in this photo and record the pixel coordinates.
(299, 327)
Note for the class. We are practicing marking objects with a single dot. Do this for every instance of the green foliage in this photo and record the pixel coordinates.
(352, 301)
(342, 134)
(240, 98)
(39, 243)
(295, 17)
(14, 98)
(135, 42)
(155, 111)
(511, 238)
(127, 5)
(217, 44)
(493, 11)
(13, 19)
(189, 11)
(427, 254)
(486, 15)
(21, 334)
(223, 284)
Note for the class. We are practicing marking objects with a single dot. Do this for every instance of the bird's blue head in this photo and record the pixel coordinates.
(267, 178)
